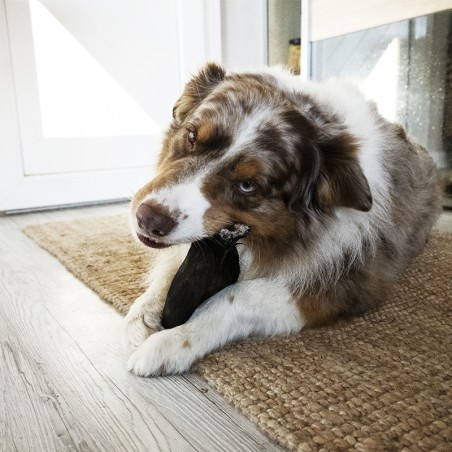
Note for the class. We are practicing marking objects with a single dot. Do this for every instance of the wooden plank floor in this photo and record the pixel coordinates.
(62, 373)
(63, 380)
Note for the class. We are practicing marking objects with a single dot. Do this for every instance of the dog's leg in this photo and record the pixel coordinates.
(144, 316)
(257, 307)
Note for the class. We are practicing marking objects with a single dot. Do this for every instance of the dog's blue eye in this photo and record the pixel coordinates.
(247, 186)
(191, 137)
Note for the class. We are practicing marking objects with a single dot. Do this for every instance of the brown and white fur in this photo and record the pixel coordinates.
(338, 200)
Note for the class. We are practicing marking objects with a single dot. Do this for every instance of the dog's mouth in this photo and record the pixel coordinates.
(151, 243)
(230, 234)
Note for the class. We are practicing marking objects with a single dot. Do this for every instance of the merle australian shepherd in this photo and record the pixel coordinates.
(338, 201)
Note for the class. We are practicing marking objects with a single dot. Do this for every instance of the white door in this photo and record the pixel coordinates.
(87, 87)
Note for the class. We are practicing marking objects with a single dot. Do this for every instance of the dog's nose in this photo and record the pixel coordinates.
(154, 221)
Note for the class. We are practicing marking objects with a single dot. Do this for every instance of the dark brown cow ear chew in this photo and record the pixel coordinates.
(342, 182)
(197, 89)
(211, 265)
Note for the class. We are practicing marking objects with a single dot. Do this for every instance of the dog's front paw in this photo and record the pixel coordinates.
(166, 352)
(137, 328)
(134, 333)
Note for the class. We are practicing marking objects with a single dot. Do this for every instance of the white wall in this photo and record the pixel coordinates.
(244, 33)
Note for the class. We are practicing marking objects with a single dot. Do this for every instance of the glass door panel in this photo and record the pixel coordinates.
(406, 68)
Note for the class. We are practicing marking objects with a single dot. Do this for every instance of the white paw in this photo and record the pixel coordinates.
(138, 327)
(134, 333)
(163, 353)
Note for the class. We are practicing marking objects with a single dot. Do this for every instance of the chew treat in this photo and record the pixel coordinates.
(211, 265)
(235, 232)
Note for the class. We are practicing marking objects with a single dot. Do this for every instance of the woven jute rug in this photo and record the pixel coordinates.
(377, 382)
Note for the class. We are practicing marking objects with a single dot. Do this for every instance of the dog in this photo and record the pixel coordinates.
(338, 201)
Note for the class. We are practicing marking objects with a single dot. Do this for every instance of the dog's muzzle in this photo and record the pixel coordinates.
(154, 224)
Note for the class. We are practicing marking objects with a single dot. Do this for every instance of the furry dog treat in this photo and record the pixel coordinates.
(211, 265)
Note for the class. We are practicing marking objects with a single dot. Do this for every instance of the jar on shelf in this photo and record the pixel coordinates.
(293, 59)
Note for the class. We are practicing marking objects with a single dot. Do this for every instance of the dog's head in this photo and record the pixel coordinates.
(243, 150)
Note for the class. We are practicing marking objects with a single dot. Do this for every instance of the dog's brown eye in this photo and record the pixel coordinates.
(247, 186)
(191, 137)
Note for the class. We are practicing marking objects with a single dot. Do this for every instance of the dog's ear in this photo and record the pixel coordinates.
(331, 173)
(197, 89)
(341, 181)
